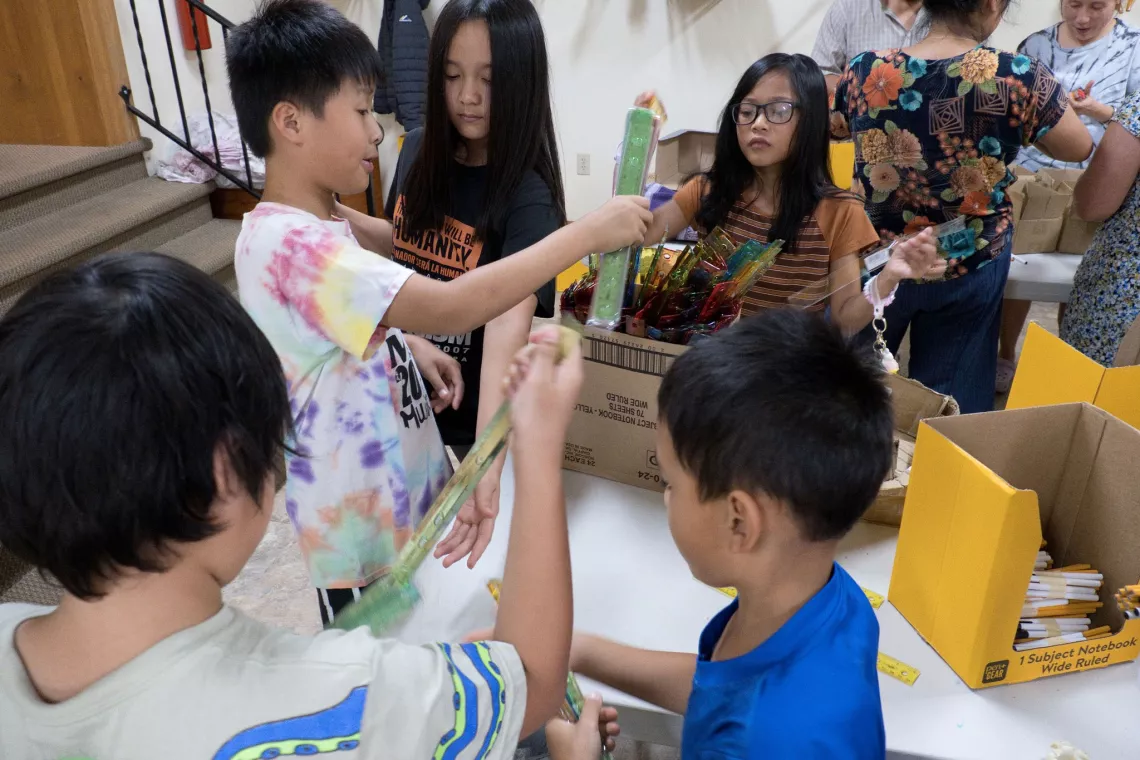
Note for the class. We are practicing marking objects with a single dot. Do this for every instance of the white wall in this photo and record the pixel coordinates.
(603, 52)
(185, 63)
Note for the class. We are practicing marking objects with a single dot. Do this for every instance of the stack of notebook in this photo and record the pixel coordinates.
(1058, 606)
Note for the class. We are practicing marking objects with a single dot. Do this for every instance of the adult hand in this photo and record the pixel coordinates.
(1092, 108)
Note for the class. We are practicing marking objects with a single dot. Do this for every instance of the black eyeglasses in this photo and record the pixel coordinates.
(776, 112)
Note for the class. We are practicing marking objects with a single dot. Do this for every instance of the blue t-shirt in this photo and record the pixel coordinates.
(810, 691)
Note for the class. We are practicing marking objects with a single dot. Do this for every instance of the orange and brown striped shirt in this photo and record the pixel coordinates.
(837, 227)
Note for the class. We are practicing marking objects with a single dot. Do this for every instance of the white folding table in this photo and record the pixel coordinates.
(1042, 277)
(632, 585)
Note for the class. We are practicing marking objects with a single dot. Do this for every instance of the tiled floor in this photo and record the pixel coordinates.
(274, 586)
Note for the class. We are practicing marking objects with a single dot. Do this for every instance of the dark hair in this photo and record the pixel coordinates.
(301, 51)
(782, 404)
(118, 381)
(522, 123)
(960, 13)
(805, 177)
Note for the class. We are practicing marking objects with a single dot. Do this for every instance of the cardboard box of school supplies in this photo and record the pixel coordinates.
(1051, 371)
(985, 491)
(913, 402)
(614, 428)
(613, 431)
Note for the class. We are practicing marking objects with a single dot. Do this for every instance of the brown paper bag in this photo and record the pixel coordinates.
(1076, 234)
(1057, 177)
(1037, 235)
(1045, 201)
(1016, 193)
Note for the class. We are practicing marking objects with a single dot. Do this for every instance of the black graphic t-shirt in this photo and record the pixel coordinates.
(447, 253)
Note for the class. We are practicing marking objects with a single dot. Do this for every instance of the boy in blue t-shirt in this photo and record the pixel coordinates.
(774, 438)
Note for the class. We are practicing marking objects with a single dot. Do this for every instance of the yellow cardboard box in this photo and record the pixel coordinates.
(1051, 371)
(985, 489)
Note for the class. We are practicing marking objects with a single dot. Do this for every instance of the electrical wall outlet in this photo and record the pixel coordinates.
(584, 164)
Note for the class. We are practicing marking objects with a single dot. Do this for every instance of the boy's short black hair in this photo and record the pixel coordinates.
(782, 404)
(118, 380)
(300, 51)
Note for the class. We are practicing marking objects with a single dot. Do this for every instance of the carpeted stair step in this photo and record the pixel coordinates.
(20, 582)
(228, 277)
(39, 179)
(141, 216)
(209, 247)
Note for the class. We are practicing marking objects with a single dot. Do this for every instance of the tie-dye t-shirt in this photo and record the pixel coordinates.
(369, 459)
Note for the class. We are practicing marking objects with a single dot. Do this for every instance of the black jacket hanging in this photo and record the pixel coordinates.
(403, 47)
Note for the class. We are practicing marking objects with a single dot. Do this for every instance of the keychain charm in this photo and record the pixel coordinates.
(890, 364)
(879, 323)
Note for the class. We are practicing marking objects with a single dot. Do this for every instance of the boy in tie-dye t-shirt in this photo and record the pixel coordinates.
(367, 458)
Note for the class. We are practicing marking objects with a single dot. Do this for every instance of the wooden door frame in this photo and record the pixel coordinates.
(61, 67)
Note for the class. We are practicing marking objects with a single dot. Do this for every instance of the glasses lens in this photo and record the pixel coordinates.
(744, 113)
(779, 113)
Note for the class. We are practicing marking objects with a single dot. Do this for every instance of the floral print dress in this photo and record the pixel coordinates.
(934, 138)
(1106, 290)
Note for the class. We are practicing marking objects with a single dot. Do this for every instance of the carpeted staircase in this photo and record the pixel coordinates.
(60, 206)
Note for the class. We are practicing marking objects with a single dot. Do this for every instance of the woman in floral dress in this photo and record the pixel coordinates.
(1106, 291)
(935, 127)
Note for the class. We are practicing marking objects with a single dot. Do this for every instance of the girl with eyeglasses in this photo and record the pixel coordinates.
(770, 181)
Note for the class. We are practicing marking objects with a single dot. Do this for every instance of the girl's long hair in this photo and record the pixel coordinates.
(522, 123)
(805, 177)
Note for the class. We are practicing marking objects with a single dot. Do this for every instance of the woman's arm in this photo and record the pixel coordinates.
(1069, 140)
(1113, 171)
(372, 233)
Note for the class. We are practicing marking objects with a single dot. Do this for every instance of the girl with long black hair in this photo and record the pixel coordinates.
(770, 180)
(480, 181)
